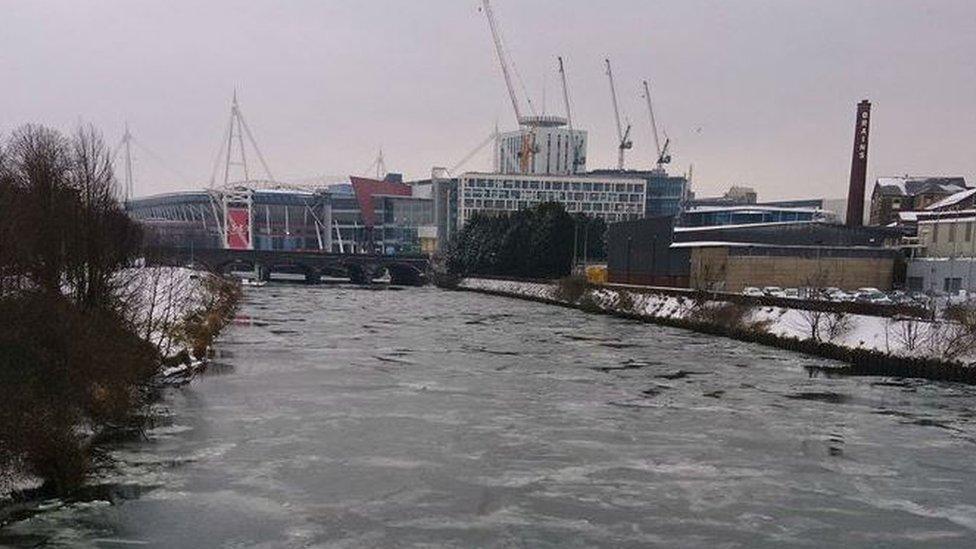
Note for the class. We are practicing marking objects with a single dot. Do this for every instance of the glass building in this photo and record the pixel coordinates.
(664, 195)
(611, 198)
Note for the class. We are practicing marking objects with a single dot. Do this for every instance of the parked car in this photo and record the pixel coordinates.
(773, 291)
(959, 297)
(752, 291)
(791, 293)
(920, 299)
(872, 295)
(836, 294)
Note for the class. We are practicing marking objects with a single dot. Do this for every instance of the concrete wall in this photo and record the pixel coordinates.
(948, 238)
(930, 274)
(715, 268)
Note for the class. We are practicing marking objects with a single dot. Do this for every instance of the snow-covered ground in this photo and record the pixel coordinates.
(902, 337)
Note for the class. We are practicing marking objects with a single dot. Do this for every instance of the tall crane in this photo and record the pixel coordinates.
(623, 136)
(569, 119)
(663, 156)
(528, 147)
(502, 60)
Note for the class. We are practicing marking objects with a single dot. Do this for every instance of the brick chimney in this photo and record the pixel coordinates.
(859, 165)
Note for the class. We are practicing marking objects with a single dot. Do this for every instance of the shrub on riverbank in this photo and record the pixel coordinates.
(571, 288)
(79, 347)
(199, 329)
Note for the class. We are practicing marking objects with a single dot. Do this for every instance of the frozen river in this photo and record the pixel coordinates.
(337, 416)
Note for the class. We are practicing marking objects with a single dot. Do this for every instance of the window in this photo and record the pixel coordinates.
(953, 284)
(935, 233)
(952, 232)
(969, 231)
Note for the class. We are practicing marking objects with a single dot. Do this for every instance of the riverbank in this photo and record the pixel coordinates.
(941, 350)
(93, 375)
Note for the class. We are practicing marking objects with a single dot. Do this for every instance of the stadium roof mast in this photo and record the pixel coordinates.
(237, 130)
(129, 185)
(623, 136)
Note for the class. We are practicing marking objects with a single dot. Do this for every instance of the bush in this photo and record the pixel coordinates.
(589, 304)
(62, 368)
(625, 302)
(571, 288)
(729, 315)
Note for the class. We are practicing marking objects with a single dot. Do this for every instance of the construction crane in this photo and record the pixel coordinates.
(623, 135)
(528, 147)
(569, 118)
(663, 156)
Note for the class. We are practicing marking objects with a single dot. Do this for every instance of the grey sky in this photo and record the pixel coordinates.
(772, 85)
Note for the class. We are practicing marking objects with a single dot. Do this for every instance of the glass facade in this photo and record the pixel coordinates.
(745, 215)
(665, 195)
(613, 199)
(404, 219)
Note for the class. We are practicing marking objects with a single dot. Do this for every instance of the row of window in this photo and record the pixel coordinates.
(552, 185)
(513, 205)
(549, 196)
(951, 234)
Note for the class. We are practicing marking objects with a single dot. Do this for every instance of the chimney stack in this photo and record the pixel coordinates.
(859, 165)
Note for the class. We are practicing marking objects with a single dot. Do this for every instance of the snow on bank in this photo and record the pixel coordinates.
(158, 299)
(887, 335)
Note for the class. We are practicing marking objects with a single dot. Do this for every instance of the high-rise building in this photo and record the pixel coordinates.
(546, 147)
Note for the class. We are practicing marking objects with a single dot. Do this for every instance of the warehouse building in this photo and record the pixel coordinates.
(654, 251)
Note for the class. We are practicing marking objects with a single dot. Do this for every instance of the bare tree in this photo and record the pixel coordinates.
(824, 325)
(910, 334)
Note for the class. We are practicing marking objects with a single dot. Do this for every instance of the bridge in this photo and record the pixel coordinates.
(408, 270)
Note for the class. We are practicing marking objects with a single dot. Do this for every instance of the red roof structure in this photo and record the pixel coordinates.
(365, 189)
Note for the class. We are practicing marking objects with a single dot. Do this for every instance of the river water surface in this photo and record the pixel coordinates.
(338, 416)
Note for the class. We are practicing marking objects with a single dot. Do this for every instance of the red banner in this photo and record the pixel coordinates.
(238, 229)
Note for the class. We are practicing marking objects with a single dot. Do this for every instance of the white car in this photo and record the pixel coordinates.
(774, 291)
(752, 291)
(959, 297)
(836, 294)
(791, 293)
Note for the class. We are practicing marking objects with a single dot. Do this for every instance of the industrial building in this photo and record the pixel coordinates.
(654, 251)
(892, 195)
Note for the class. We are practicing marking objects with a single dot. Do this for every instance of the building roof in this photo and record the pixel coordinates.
(750, 208)
(952, 199)
(365, 189)
(744, 226)
(722, 243)
(912, 186)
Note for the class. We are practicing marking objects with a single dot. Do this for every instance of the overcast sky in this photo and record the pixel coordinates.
(758, 93)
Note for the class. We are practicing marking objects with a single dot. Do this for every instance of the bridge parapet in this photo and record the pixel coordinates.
(359, 268)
